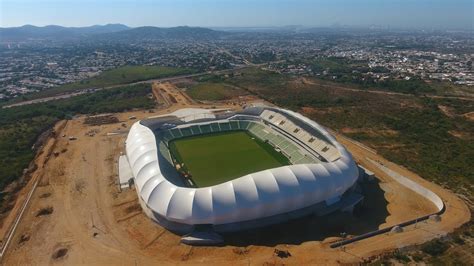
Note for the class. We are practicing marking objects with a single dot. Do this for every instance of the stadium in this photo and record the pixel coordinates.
(225, 171)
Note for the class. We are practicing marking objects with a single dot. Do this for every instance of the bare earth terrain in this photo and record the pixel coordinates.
(78, 215)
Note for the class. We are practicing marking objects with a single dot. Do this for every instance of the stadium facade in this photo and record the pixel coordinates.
(321, 178)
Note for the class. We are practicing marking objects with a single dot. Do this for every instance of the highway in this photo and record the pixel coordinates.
(92, 90)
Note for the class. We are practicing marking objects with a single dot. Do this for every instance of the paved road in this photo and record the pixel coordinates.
(92, 90)
(248, 64)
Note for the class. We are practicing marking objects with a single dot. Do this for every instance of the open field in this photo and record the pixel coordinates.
(127, 74)
(346, 72)
(216, 158)
(121, 75)
(214, 92)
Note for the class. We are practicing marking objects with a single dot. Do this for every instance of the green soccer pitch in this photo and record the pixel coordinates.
(216, 158)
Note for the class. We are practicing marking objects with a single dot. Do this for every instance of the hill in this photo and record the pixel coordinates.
(156, 33)
(28, 32)
(109, 32)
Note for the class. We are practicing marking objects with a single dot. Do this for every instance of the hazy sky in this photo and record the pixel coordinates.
(208, 13)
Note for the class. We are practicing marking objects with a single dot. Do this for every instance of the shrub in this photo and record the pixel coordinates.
(401, 257)
(435, 247)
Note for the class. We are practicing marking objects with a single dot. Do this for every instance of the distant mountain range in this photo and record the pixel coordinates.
(112, 32)
(29, 32)
(175, 33)
(123, 33)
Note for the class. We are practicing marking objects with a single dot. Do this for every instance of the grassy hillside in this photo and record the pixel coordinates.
(128, 74)
(209, 91)
(121, 75)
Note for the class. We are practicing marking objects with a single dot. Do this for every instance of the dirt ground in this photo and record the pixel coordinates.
(78, 215)
(40, 159)
(168, 93)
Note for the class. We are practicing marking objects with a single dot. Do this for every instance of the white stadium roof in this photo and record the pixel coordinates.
(250, 197)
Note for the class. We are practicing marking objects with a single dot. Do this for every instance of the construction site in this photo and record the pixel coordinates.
(73, 210)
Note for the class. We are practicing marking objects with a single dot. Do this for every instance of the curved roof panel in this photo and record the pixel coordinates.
(253, 196)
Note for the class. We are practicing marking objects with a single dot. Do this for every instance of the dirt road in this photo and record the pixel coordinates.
(345, 88)
(456, 214)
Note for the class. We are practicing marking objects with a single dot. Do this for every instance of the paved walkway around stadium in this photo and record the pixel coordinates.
(456, 214)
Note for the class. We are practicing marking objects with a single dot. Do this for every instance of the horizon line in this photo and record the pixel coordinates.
(334, 26)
